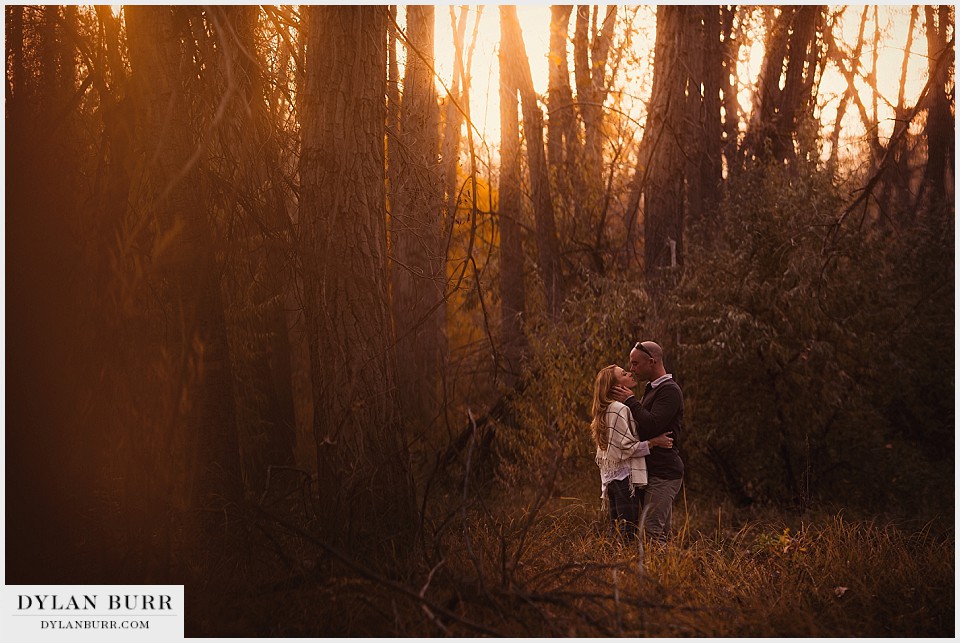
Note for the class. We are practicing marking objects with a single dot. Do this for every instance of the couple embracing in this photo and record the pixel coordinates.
(640, 466)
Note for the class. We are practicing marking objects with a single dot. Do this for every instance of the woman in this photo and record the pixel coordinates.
(620, 455)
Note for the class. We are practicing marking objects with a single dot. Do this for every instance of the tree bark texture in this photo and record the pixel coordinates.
(548, 246)
(417, 250)
(256, 209)
(661, 159)
(939, 129)
(512, 292)
(790, 52)
(731, 105)
(710, 126)
(562, 139)
(365, 490)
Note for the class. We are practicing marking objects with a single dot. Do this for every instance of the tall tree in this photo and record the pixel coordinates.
(709, 124)
(731, 104)
(939, 129)
(162, 66)
(562, 140)
(851, 91)
(548, 246)
(591, 49)
(590, 57)
(512, 292)
(253, 203)
(693, 142)
(790, 59)
(453, 117)
(660, 171)
(418, 267)
(364, 483)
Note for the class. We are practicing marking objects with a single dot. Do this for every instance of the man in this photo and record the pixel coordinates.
(660, 410)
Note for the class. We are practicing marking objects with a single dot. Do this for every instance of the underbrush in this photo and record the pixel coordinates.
(538, 562)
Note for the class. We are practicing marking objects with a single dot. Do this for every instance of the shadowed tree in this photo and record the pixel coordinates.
(707, 125)
(197, 334)
(791, 57)
(731, 106)
(939, 131)
(661, 161)
(548, 246)
(257, 227)
(512, 293)
(365, 489)
(453, 119)
(418, 257)
(590, 58)
(563, 143)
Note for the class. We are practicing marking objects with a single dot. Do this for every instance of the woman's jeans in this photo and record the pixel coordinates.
(624, 508)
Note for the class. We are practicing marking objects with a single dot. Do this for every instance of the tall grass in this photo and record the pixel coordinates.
(516, 563)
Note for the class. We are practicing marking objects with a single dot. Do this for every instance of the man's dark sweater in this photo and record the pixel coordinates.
(660, 410)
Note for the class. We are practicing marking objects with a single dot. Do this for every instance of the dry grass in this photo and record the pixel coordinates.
(506, 567)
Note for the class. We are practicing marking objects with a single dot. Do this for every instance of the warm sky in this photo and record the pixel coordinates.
(535, 23)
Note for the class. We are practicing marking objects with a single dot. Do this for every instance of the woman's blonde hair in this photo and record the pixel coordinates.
(601, 400)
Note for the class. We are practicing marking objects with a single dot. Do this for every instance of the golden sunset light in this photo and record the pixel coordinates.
(541, 321)
(892, 22)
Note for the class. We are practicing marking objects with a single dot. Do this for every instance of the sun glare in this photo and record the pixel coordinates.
(485, 68)
(535, 23)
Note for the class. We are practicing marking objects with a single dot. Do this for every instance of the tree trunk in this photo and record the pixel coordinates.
(258, 209)
(418, 269)
(798, 80)
(896, 190)
(661, 159)
(776, 112)
(548, 247)
(591, 51)
(693, 128)
(767, 95)
(562, 140)
(512, 294)
(366, 493)
(191, 290)
(711, 160)
(393, 107)
(731, 105)
(939, 131)
(847, 95)
(591, 94)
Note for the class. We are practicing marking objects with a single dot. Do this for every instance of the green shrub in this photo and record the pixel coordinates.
(596, 329)
(794, 332)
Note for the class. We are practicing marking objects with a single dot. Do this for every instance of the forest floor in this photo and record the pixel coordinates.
(524, 564)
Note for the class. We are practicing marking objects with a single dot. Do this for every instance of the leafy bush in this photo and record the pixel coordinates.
(794, 330)
(595, 330)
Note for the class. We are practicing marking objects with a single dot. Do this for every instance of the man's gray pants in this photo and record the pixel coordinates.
(658, 506)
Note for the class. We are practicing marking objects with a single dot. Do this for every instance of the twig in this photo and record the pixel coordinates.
(424, 607)
(371, 575)
(616, 602)
(537, 505)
